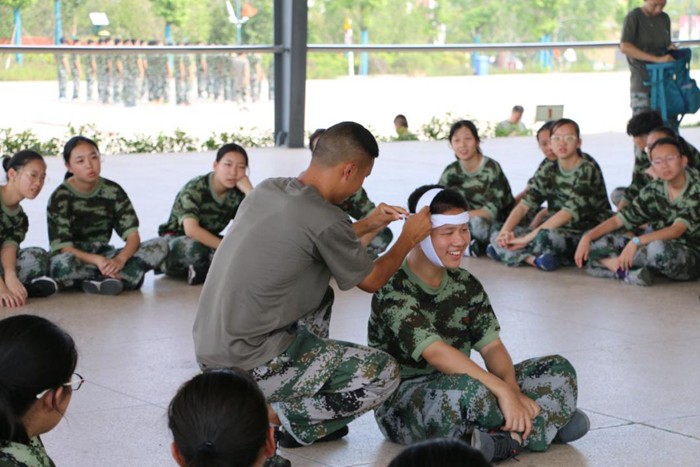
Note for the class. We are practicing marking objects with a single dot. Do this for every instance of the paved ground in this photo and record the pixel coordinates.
(635, 349)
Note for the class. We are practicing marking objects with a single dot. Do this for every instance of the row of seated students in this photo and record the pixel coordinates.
(217, 418)
(660, 224)
(534, 402)
(86, 208)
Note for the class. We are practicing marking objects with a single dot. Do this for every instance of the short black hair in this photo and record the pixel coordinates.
(20, 159)
(445, 452)
(444, 201)
(666, 142)
(518, 108)
(401, 120)
(644, 122)
(546, 126)
(343, 141)
(314, 137)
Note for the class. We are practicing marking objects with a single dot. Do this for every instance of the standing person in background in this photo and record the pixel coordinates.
(117, 74)
(74, 62)
(131, 72)
(202, 78)
(104, 72)
(646, 38)
(62, 70)
(90, 72)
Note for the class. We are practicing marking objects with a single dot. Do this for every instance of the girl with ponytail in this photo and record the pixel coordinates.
(22, 271)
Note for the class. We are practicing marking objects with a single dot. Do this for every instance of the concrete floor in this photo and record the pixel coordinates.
(635, 349)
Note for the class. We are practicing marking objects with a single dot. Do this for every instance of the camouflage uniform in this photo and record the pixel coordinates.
(15, 454)
(408, 315)
(189, 64)
(86, 222)
(358, 206)
(74, 63)
(241, 79)
(677, 259)
(62, 75)
(117, 77)
(640, 178)
(90, 75)
(196, 200)
(318, 385)
(487, 189)
(229, 79)
(580, 192)
(131, 71)
(103, 78)
(255, 76)
(151, 76)
(32, 262)
(213, 76)
(202, 78)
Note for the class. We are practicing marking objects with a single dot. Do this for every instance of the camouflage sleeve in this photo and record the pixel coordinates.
(126, 221)
(690, 213)
(497, 195)
(17, 231)
(444, 176)
(358, 205)
(583, 193)
(403, 325)
(639, 177)
(58, 220)
(190, 201)
(537, 188)
(637, 212)
(483, 324)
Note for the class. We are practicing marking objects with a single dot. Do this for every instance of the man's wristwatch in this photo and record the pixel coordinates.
(636, 241)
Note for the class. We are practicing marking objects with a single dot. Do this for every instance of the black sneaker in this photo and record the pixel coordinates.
(41, 287)
(196, 276)
(287, 441)
(495, 446)
(577, 426)
(108, 286)
(476, 248)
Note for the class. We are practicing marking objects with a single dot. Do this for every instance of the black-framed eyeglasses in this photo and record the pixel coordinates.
(75, 383)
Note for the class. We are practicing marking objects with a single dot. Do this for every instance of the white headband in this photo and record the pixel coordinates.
(437, 220)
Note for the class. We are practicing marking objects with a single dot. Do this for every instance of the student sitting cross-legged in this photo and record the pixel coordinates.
(574, 190)
(670, 246)
(429, 317)
(82, 213)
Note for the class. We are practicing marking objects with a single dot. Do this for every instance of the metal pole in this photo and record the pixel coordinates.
(18, 34)
(57, 13)
(239, 23)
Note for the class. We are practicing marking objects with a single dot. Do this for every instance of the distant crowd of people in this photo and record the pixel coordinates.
(131, 78)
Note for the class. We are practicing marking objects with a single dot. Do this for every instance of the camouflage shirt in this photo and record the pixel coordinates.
(653, 206)
(197, 200)
(409, 315)
(487, 188)
(584, 155)
(75, 217)
(25, 455)
(13, 225)
(640, 178)
(358, 206)
(580, 192)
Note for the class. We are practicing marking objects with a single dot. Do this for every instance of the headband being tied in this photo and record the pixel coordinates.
(437, 220)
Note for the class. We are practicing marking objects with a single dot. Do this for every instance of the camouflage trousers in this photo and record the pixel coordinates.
(62, 82)
(117, 85)
(32, 262)
(89, 85)
(103, 87)
(68, 271)
(319, 385)
(561, 243)
(670, 258)
(380, 243)
(76, 83)
(448, 406)
(640, 102)
(183, 252)
(130, 90)
(481, 230)
(201, 84)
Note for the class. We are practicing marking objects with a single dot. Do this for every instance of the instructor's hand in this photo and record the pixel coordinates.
(383, 215)
(417, 226)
